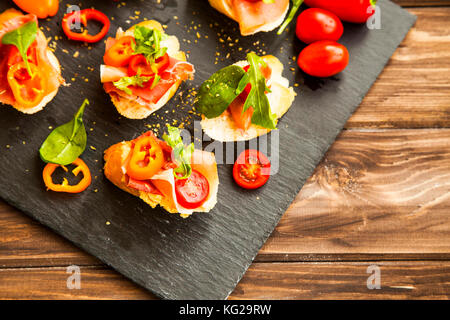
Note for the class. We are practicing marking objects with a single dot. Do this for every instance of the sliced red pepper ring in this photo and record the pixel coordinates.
(65, 187)
(146, 160)
(139, 65)
(83, 17)
(120, 54)
(28, 89)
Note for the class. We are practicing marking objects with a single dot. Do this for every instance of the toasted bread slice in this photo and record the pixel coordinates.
(223, 128)
(136, 108)
(204, 162)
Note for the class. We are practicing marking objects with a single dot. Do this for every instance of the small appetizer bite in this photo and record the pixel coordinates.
(143, 69)
(244, 100)
(30, 74)
(253, 15)
(164, 172)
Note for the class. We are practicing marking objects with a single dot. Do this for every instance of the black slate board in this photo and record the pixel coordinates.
(205, 256)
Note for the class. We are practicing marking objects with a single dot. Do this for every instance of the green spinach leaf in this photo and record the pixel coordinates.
(219, 91)
(67, 142)
(22, 38)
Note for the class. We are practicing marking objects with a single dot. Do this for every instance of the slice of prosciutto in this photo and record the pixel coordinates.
(253, 15)
(176, 71)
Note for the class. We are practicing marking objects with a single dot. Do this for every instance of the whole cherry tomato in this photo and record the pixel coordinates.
(192, 192)
(316, 24)
(323, 58)
(356, 11)
(251, 169)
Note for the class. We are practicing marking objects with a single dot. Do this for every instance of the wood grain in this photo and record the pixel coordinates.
(414, 89)
(375, 193)
(399, 280)
(422, 3)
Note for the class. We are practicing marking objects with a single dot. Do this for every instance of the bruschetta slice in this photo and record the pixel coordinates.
(245, 100)
(164, 172)
(30, 74)
(143, 68)
(253, 15)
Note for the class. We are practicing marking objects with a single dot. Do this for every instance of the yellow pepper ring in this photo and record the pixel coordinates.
(146, 160)
(28, 93)
(65, 187)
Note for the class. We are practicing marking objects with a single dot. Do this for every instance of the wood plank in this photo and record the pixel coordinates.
(376, 192)
(25, 242)
(399, 280)
(422, 3)
(51, 283)
(376, 195)
(414, 89)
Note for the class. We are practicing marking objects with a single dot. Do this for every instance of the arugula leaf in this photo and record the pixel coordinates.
(219, 91)
(67, 142)
(22, 38)
(125, 82)
(296, 4)
(257, 99)
(148, 43)
(182, 153)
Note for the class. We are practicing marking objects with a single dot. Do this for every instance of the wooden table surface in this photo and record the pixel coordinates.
(381, 196)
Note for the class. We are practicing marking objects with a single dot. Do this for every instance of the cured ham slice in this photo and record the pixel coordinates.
(253, 16)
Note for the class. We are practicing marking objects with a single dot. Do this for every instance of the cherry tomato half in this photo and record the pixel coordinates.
(251, 169)
(120, 54)
(323, 58)
(192, 192)
(356, 11)
(318, 24)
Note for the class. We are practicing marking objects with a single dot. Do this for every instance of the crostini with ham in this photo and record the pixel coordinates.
(30, 74)
(143, 68)
(253, 15)
(164, 172)
(245, 100)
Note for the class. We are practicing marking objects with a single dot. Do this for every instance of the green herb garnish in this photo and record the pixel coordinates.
(22, 38)
(219, 91)
(296, 4)
(67, 142)
(148, 43)
(182, 153)
(125, 82)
